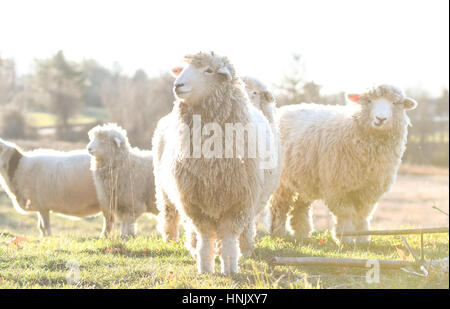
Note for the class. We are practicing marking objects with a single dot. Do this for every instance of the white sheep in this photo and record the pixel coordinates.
(262, 99)
(214, 194)
(46, 180)
(348, 156)
(123, 178)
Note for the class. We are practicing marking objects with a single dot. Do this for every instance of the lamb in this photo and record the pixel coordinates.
(348, 156)
(263, 100)
(47, 180)
(215, 195)
(123, 178)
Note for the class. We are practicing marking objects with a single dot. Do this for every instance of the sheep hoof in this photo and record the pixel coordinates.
(127, 236)
(205, 270)
(227, 272)
(170, 239)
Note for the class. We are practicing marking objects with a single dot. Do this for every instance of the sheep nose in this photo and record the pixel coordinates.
(381, 119)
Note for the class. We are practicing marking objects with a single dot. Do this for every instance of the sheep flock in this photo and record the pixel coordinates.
(222, 160)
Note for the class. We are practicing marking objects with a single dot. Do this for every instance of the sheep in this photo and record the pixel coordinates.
(348, 156)
(260, 97)
(215, 195)
(47, 180)
(123, 178)
(263, 100)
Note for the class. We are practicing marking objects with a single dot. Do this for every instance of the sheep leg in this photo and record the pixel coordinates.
(343, 222)
(362, 223)
(247, 239)
(279, 207)
(44, 223)
(229, 254)
(191, 240)
(40, 225)
(205, 253)
(127, 229)
(168, 220)
(108, 224)
(300, 219)
(228, 246)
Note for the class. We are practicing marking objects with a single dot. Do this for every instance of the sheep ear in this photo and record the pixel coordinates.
(225, 71)
(117, 141)
(409, 104)
(269, 97)
(353, 97)
(176, 71)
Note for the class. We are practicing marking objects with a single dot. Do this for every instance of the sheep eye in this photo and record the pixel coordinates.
(209, 71)
(255, 93)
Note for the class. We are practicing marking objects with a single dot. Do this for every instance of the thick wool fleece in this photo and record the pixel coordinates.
(263, 100)
(217, 196)
(123, 179)
(332, 153)
(46, 180)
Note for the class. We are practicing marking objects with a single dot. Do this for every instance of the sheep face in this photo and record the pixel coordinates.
(382, 106)
(103, 146)
(258, 94)
(107, 140)
(200, 77)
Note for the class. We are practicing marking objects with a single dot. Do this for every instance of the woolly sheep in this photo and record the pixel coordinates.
(260, 97)
(46, 180)
(263, 100)
(123, 178)
(215, 196)
(347, 156)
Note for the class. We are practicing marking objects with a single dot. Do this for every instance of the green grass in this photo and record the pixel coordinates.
(87, 115)
(147, 262)
(441, 137)
(41, 119)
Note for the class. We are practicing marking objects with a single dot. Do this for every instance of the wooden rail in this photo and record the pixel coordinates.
(343, 262)
(397, 232)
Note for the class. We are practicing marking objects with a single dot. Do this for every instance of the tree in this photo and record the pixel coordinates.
(95, 75)
(60, 84)
(138, 103)
(294, 89)
(442, 105)
(7, 80)
(13, 123)
(311, 92)
(291, 85)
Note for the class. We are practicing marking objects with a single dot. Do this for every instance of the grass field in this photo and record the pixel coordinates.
(28, 261)
(40, 119)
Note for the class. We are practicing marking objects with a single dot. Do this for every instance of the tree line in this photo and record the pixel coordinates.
(64, 88)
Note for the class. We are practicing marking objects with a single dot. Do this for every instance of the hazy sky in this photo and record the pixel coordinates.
(346, 44)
